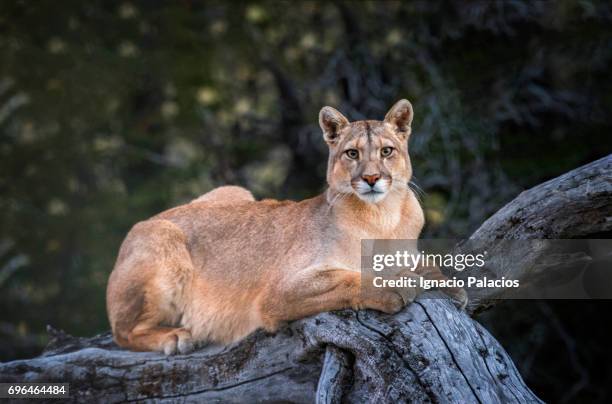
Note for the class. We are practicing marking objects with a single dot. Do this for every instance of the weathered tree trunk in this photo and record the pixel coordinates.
(429, 352)
(575, 205)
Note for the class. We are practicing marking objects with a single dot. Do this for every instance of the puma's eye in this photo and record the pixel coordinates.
(386, 151)
(352, 154)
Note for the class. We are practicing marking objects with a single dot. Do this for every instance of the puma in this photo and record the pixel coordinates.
(218, 268)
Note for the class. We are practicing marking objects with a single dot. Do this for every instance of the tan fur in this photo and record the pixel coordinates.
(227, 193)
(218, 268)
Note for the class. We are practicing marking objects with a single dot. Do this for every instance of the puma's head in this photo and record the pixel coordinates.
(368, 158)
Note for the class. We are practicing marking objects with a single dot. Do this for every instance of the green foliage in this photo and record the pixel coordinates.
(111, 112)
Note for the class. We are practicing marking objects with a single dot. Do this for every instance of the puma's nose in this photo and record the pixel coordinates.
(371, 179)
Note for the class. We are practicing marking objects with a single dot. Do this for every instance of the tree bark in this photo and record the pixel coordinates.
(429, 352)
(575, 205)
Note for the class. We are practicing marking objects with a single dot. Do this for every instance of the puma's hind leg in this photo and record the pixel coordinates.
(148, 289)
(228, 193)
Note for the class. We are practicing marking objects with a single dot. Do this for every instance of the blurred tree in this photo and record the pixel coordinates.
(113, 111)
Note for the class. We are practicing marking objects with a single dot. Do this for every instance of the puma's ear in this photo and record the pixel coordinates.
(400, 115)
(332, 122)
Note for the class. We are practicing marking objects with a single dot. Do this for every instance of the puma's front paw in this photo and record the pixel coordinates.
(459, 296)
(388, 301)
(408, 294)
(393, 296)
(393, 302)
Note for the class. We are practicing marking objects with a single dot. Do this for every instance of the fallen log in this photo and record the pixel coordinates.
(429, 352)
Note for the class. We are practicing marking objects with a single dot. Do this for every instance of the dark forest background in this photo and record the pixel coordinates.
(113, 111)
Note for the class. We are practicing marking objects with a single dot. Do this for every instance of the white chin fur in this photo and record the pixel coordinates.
(364, 191)
(372, 197)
